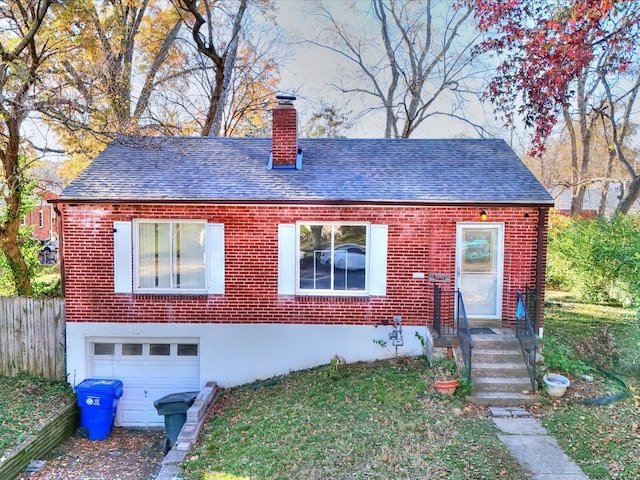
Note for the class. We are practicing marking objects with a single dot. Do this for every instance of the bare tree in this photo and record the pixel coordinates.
(419, 59)
(621, 130)
(221, 52)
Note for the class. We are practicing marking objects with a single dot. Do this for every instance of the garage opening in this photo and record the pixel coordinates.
(149, 369)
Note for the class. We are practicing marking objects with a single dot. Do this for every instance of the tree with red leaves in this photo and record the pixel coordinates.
(557, 61)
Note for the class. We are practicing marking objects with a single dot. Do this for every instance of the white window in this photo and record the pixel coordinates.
(162, 256)
(40, 219)
(326, 258)
(169, 255)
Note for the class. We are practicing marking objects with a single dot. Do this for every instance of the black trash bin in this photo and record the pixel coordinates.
(174, 408)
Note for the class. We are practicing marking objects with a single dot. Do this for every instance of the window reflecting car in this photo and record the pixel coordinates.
(477, 250)
(348, 256)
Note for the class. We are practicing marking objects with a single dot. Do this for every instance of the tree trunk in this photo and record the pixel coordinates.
(630, 197)
(577, 200)
(11, 249)
(9, 232)
(214, 103)
(604, 194)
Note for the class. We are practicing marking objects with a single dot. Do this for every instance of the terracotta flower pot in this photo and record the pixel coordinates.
(447, 387)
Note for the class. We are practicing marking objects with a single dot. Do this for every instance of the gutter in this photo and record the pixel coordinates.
(387, 203)
(541, 267)
(60, 247)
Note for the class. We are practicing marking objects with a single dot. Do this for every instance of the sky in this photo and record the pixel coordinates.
(310, 70)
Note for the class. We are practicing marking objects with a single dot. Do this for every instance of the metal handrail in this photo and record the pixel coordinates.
(464, 335)
(450, 318)
(525, 332)
(444, 311)
(437, 309)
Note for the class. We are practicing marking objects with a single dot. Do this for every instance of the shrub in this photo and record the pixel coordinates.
(560, 357)
(598, 259)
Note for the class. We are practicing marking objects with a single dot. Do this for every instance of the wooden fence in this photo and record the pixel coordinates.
(32, 337)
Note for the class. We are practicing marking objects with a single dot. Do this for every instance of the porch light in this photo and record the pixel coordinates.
(483, 215)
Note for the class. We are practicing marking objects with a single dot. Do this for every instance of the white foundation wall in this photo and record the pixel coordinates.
(233, 354)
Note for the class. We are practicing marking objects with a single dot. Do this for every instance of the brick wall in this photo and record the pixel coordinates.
(284, 145)
(43, 211)
(420, 240)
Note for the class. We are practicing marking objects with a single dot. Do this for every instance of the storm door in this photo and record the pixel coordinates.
(479, 267)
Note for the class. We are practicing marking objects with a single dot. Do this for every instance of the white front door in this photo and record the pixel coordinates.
(479, 267)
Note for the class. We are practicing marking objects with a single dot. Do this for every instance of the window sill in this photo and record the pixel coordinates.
(305, 297)
(170, 296)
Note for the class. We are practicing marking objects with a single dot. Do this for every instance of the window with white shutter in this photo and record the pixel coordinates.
(163, 256)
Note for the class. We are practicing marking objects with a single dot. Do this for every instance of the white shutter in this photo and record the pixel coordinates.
(215, 257)
(378, 260)
(122, 257)
(286, 259)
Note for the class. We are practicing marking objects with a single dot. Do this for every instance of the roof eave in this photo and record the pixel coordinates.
(338, 202)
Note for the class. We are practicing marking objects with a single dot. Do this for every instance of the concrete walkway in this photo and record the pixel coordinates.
(533, 447)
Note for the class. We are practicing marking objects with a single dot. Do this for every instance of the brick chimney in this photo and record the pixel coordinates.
(284, 136)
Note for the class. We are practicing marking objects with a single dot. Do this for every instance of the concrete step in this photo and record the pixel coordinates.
(502, 399)
(501, 384)
(490, 355)
(499, 369)
(499, 374)
(495, 342)
(477, 323)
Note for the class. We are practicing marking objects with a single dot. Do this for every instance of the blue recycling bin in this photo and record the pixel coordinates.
(98, 399)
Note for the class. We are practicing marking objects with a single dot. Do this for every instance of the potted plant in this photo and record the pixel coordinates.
(446, 376)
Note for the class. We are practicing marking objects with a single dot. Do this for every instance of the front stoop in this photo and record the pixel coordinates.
(498, 372)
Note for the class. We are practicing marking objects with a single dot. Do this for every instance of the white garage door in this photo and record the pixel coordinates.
(149, 369)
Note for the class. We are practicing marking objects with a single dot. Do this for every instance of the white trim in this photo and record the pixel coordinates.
(215, 258)
(136, 247)
(287, 259)
(499, 226)
(303, 204)
(377, 273)
(122, 257)
(332, 292)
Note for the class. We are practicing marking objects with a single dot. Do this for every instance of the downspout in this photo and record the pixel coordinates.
(60, 247)
(541, 267)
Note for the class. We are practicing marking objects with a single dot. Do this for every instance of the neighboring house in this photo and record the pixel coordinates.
(43, 218)
(592, 200)
(187, 260)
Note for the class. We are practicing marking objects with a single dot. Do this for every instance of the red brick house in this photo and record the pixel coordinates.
(43, 218)
(187, 260)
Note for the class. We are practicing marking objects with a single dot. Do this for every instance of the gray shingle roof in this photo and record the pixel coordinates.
(333, 170)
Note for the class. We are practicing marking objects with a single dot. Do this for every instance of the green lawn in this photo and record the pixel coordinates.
(25, 403)
(381, 420)
(384, 420)
(603, 440)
